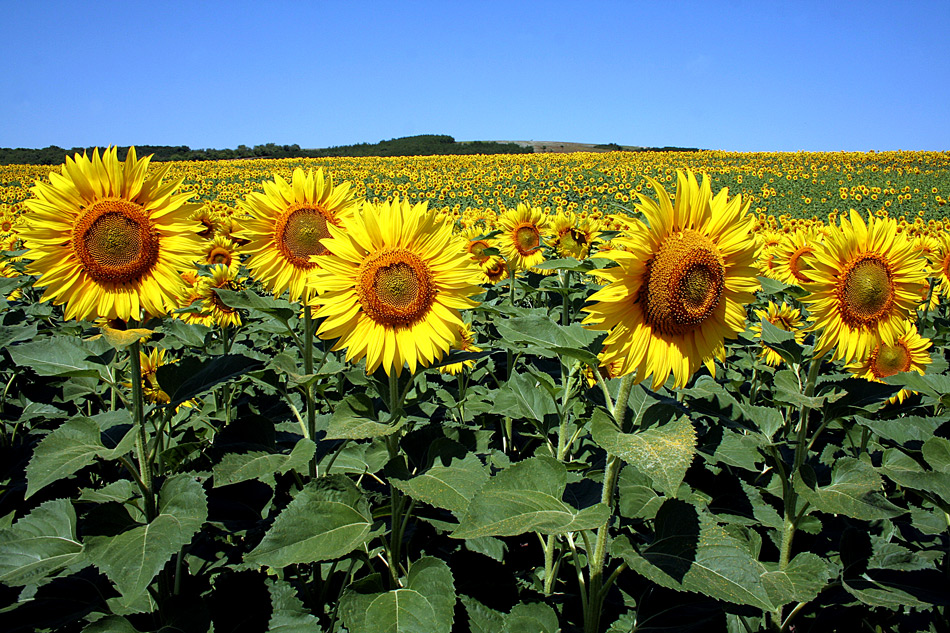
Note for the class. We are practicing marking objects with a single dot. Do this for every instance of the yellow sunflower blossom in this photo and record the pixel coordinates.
(680, 285)
(392, 286)
(908, 352)
(784, 317)
(866, 280)
(107, 241)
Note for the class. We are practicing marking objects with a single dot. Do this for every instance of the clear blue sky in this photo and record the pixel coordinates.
(742, 76)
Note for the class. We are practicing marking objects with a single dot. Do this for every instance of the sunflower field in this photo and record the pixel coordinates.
(560, 392)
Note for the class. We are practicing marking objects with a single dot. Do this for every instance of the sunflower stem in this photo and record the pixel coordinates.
(597, 590)
(565, 277)
(138, 421)
(308, 370)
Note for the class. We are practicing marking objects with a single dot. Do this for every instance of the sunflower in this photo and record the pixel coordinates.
(152, 391)
(285, 228)
(106, 240)
(784, 317)
(792, 257)
(908, 352)
(520, 240)
(494, 270)
(680, 285)
(213, 309)
(866, 281)
(392, 286)
(221, 250)
(940, 261)
(464, 341)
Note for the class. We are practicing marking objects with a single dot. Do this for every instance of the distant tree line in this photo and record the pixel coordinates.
(422, 145)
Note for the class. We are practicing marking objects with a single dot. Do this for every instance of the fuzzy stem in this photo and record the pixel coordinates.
(138, 421)
(308, 370)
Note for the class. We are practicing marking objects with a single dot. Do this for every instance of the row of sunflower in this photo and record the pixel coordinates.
(389, 279)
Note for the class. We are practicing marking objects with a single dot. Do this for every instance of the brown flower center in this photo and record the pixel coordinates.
(395, 288)
(115, 242)
(685, 280)
(865, 291)
(298, 234)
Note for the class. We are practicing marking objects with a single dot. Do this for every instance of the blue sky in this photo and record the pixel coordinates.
(739, 76)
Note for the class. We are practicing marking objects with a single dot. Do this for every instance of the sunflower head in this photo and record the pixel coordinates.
(908, 352)
(464, 341)
(108, 241)
(392, 286)
(521, 239)
(287, 225)
(866, 280)
(680, 284)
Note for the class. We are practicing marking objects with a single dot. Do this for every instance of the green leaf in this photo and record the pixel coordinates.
(521, 398)
(14, 333)
(60, 356)
(691, 552)
(237, 467)
(637, 499)
(328, 519)
(189, 334)
(281, 309)
(802, 581)
(482, 619)
(544, 336)
(42, 542)
(355, 419)
(767, 419)
(787, 389)
(903, 430)
(110, 624)
(448, 487)
(526, 497)
(782, 342)
(663, 453)
(193, 376)
(288, 614)
(535, 617)
(855, 491)
(132, 558)
(906, 471)
(424, 604)
(74, 445)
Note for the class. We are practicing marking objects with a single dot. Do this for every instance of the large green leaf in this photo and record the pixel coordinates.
(691, 552)
(328, 519)
(131, 559)
(237, 467)
(42, 542)
(782, 342)
(424, 604)
(61, 356)
(542, 335)
(904, 429)
(449, 487)
(663, 453)
(522, 398)
(534, 617)
(905, 470)
(74, 445)
(526, 497)
(355, 419)
(856, 491)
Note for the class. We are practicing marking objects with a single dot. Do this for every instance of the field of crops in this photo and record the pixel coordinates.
(573, 392)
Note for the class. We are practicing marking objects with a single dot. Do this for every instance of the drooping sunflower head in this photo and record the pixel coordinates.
(680, 285)
(392, 286)
(106, 240)
(908, 352)
(286, 227)
(867, 279)
(784, 317)
(522, 232)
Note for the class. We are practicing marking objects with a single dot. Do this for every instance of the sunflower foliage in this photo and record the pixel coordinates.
(520, 461)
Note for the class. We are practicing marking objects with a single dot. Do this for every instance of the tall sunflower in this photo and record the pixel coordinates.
(520, 239)
(108, 241)
(866, 281)
(286, 225)
(392, 286)
(680, 285)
